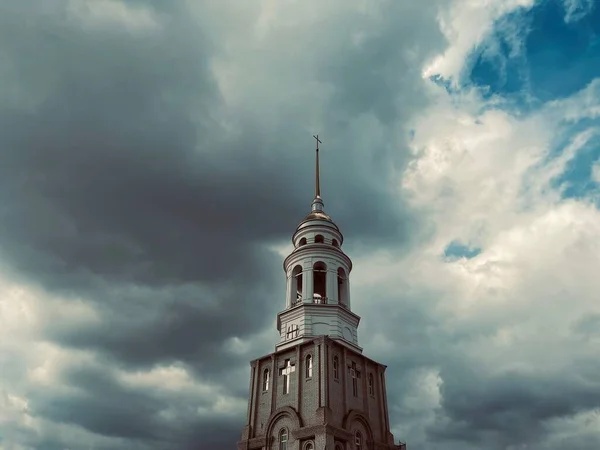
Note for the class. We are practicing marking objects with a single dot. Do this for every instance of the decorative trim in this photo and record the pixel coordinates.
(339, 433)
(299, 386)
(343, 377)
(308, 432)
(307, 443)
(282, 412)
(321, 365)
(317, 251)
(356, 416)
(274, 379)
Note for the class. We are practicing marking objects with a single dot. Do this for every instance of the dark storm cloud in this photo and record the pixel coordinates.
(106, 175)
(481, 404)
(110, 182)
(512, 407)
(121, 171)
(102, 406)
(129, 183)
(122, 175)
(121, 185)
(177, 326)
(99, 403)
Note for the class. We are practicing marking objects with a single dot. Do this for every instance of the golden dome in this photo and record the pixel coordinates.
(317, 215)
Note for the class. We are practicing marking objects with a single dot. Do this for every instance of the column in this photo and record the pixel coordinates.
(385, 405)
(307, 288)
(380, 401)
(348, 292)
(299, 377)
(290, 297)
(251, 400)
(332, 287)
(322, 367)
(325, 392)
(344, 371)
(273, 380)
(365, 387)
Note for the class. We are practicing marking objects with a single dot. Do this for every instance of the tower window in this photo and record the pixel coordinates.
(266, 380)
(292, 331)
(358, 441)
(342, 287)
(283, 439)
(371, 387)
(309, 366)
(336, 370)
(302, 242)
(297, 281)
(335, 243)
(319, 239)
(320, 282)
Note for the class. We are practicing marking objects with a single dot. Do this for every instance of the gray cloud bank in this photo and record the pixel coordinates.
(138, 178)
(128, 182)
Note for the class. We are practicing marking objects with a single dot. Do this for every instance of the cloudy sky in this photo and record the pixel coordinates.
(155, 158)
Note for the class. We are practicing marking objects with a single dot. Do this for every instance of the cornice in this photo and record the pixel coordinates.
(319, 340)
(322, 310)
(323, 225)
(311, 222)
(324, 248)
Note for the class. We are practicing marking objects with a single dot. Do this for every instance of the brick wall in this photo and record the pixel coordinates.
(308, 393)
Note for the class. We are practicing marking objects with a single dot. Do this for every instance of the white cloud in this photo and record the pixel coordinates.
(465, 24)
(584, 104)
(485, 179)
(596, 172)
(576, 9)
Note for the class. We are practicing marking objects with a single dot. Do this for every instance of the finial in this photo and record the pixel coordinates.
(317, 181)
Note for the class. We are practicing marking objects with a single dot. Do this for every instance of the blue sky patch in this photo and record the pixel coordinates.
(537, 56)
(456, 250)
(576, 181)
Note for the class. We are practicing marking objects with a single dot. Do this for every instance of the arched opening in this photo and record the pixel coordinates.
(319, 239)
(309, 446)
(309, 366)
(296, 285)
(342, 282)
(320, 282)
(338, 447)
(358, 440)
(335, 243)
(266, 380)
(302, 242)
(283, 439)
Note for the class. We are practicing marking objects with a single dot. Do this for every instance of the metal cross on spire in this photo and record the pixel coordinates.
(317, 181)
(318, 141)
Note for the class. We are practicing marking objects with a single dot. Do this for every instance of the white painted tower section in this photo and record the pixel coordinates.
(318, 289)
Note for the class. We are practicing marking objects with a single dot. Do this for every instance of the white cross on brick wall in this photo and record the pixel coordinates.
(286, 372)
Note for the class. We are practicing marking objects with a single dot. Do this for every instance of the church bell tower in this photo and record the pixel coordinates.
(317, 391)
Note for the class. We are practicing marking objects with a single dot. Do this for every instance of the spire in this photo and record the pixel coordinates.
(317, 204)
(317, 180)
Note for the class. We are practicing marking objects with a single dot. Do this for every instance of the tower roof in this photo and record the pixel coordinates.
(318, 215)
